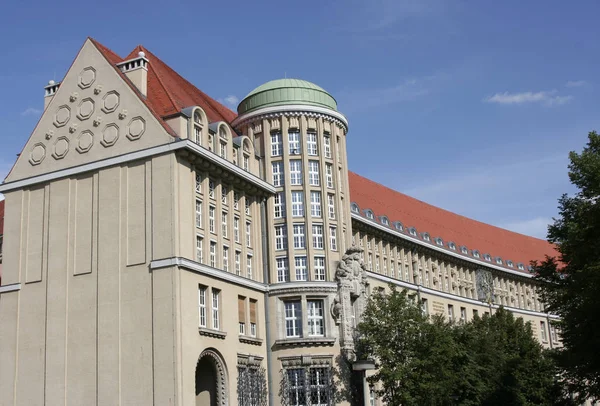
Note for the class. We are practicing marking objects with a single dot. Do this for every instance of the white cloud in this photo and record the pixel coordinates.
(231, 101)
(30, 111)
(548, 98)
(535, 227)
(576, 83)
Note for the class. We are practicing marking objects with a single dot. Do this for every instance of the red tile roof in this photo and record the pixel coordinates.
(475, 235)
(168, 92)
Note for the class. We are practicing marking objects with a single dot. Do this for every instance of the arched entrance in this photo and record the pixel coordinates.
(211, 379)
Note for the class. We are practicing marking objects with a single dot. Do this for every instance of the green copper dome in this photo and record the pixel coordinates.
(285, 92)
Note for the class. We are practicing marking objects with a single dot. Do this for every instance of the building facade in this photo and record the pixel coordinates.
(162, 249)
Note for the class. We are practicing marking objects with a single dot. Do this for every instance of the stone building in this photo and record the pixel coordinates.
(162, 249)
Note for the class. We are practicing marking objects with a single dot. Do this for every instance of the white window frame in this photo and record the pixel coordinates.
(299, 236)
(311, 143)
(294, 143)
(211, 188)
(277, 169)
(315, 204)
(317, 236)
(199, 249)
(283, 269)
(295, 172)
(316, 317)
(198, 182)
(329, 176)
(211, 218)
(327, 146)
(225, 259)
(248, 234)
(213, 254)
(333, 238)
(198, 213)
(281, 237)
(236, 229)
(331, 206)
(224, 193)
(297, 203)
(279, 205)
(216, 298)
(224, 227)
(202, 306)
(319, 269)
(293, 318)
(276, 144)
(249, 266)
(313, 173)
(301, 267)
(238, 264)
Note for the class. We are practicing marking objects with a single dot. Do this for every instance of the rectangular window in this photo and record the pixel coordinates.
(253, 317)
(242, 314)
(331, 206)
(226, 259)
(311, 143)
(329, 175)
(315, 204)
(475, 313)
(333, 238)
(277, 173)
(199, 249)
(236, 200)
(211, 188)
(249, 266)
(319, 268)
(224, 224)
(248, 234)
(553, 333)
(337, 146)
(202, 306)
(424, 306)
(376, 263)
(279, 205)
(301, 272)
(198, 213)
(297, 390)
(198, 182)
(197, 135)
(223, 151)
(224, 192)
(297, 204)
(313, 173)
(317, 231)
(238, 265)
(213, 254)
(276, 144)
(392, 271)
(215, 308)
(295, 172)
(280, 237)
(282, 270)
(299, 236)
(211, 219)
(543, 331)
(316, 326)
(463, 315)
(294, 142)
(235, 157)
(211, 142)
(236, 229)
(370, 262)
(248, 203)
(450, 313)
(246, 162)
(327, 146)
(293, 319)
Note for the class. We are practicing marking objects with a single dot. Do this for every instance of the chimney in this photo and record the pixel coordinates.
(136, 70)
(49, 92)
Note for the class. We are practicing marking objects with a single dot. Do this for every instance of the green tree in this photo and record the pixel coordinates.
(570, 284)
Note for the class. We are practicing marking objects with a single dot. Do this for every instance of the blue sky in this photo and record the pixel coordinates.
(471, 106)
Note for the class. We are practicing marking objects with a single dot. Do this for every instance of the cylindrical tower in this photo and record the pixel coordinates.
(301, 137)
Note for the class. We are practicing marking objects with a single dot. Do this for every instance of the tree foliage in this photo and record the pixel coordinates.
(570, 284)
(423, 360)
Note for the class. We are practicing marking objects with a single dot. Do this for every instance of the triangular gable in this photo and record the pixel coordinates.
(95, 114)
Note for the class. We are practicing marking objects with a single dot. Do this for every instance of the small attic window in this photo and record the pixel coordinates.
(487, 257)
(412, 231)
(452, 246)
(499, 260)
(223, 132)
(398, 226)
(426, 236)
(198, 118)
(439, 241)
(464, 250)
(369, 214)
(530, 268)
(355, 208)
(521, 266)
(384, 220)
(476, 254)
(509, 263)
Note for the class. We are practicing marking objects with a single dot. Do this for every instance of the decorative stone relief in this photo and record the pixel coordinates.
(73, 128)
(275, 125)
(351, 275)
(87, 77)
(85, 141)
(98, 89)
(86, 109)
(122, 114)
(312, 123)
(110, 135)
(49, 134)
(62, 116)
(110, 102)
(37, 154)
(136, 128)
(74, 96)
(61, 148)
(257, 128)
(484, 282)
(97, 121)
(327, 126)
(294, 122)
(221, 375)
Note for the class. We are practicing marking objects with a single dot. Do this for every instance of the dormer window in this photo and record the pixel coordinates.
(487, 257)
(521, 266)
(355, 208)
(369, 214)
(197, 118)
(398, 226)
(499, 260)
(476, 254)
(439, 241)
(530, 268)
(452, 246)
(509, 263)
(412, 231)
(384, 220)
(464, 250)
(426, 237)
(223, 132)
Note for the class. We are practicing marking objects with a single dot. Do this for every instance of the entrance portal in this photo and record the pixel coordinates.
(211, 380)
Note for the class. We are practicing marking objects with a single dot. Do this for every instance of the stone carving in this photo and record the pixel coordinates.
(221, 375)
(98, 89)
(351, 275)
(73, 128)
(136, 128)
(49, 134)
(87, 77)
(312, 123)
(484, 282)
(74, 96)
(62, 116)
(97, 121)
(37, 154)
(122, 114)
(61, 148)
(110, 135)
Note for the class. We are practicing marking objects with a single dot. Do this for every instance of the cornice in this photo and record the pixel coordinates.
(302, 287)
(291, 110)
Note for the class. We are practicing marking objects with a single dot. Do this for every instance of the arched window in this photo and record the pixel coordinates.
(439, 241)
(499, 260)
(452, 246)
(476, 254)
(426, 237)
(521, 266)
(464, 250)
(223, 132)
(398, 226)
(487, 257)
(355, 208)
(369, 214)
(412, 231)
(509, 263)
(197, 118)
(384, 220)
